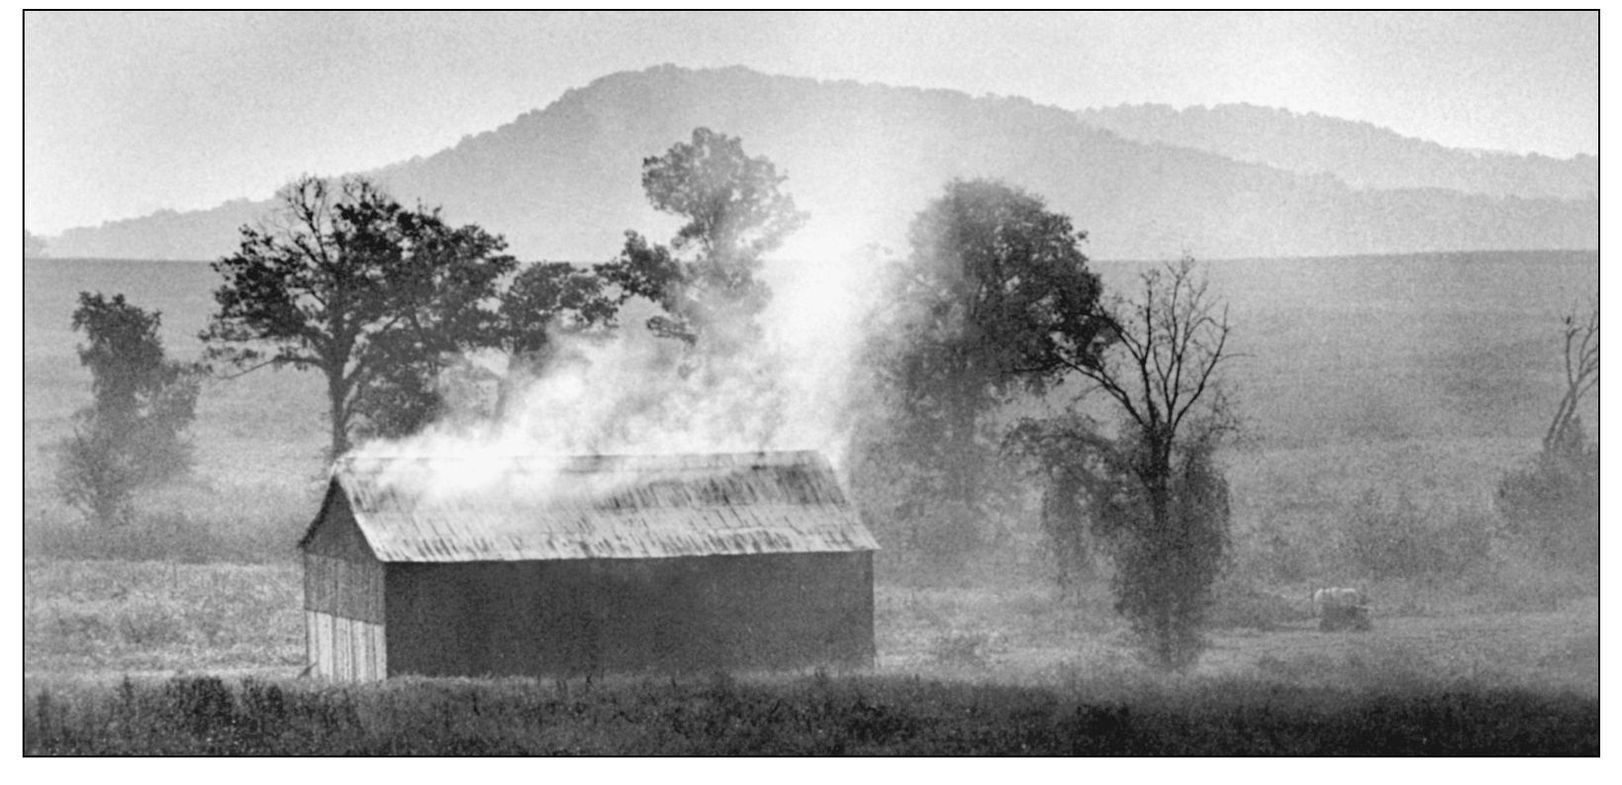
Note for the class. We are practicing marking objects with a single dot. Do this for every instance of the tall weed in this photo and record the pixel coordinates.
(817, 715)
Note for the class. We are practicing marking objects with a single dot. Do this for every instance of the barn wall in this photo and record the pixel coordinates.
(345, 649)
(343, 599)
(590, 616)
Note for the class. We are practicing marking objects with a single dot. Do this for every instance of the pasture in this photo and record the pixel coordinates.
(155, 658)
(1390, 389)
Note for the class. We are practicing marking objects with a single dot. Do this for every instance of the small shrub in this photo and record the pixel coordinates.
(201, 706)
(1275, 553)
(1553, 503)
(1402, 541)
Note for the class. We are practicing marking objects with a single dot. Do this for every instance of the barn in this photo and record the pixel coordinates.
(534, 566)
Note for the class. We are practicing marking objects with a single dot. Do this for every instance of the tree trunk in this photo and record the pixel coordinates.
(337, 396)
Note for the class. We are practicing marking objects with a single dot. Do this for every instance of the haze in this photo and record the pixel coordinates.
(128, 113)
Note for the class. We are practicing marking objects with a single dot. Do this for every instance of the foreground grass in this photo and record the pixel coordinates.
(817, 715)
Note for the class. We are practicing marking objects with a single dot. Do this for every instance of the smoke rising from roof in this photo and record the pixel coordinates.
(627, 394)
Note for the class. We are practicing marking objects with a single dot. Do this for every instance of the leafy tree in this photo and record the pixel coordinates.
(548, 298)
(1080, 471)
(996, 296)
(1554, 502)
(545, 300)
(344, 280)
(133, 434)
(705, 279)
(33, 245)
(1152, 492)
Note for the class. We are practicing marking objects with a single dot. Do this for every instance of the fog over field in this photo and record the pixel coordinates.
(965, 292)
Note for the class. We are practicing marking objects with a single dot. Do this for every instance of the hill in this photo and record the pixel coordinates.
(564, 182)
(1361, 155)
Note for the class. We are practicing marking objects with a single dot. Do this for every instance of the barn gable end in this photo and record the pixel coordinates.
(343, 595)
(334, 532)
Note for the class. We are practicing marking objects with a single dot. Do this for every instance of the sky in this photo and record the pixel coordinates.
(127, 113)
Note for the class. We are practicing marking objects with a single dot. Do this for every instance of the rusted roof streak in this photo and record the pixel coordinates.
(602, 507)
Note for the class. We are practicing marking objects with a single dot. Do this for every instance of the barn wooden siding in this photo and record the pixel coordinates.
(579, 617)
(343, 600)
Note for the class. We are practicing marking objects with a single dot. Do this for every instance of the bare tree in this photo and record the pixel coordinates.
(1553, 501)
(1169, 344)
(1156, 498)
(1582, 374)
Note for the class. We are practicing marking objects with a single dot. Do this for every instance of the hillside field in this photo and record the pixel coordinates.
(1424, 375)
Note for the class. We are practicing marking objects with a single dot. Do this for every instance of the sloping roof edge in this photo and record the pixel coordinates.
(671, 506)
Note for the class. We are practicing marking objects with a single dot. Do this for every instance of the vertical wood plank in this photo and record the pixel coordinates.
(323, 645)
(309, 640)
(331, 663)
(340, 648)
(363, 659)
(380, 650)
(332, 647)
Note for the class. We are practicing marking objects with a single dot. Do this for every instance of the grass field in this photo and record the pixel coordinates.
(99, 620)
(156, 658)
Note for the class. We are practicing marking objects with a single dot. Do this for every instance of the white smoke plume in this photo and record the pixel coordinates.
(623, 394)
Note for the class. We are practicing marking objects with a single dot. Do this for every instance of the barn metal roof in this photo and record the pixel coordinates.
(597, 507)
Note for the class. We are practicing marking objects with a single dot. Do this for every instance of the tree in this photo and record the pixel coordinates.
(1080, 472)
(344, 280)
(995, 296)
(1153, 492)
(133, 434)
(33, 245)
(1581, 357)
(548, 298)
(1554, 502)
(545, 300)
(705, 279)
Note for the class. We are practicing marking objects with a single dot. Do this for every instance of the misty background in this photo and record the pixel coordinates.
(1394, 213)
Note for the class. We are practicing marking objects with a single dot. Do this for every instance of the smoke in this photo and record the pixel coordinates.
(626, 394)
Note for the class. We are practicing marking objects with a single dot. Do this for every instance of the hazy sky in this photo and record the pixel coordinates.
(128, 113)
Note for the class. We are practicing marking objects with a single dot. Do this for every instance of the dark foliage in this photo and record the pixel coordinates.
(1152, 492)
(814, 716)
(547, 300)
(134, 433)
(996, 296)
(346, 281)
(1166, 559)
(1400, 540)
(1553, 503)
(1080, 472)
(705, 279)
(551, 297)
